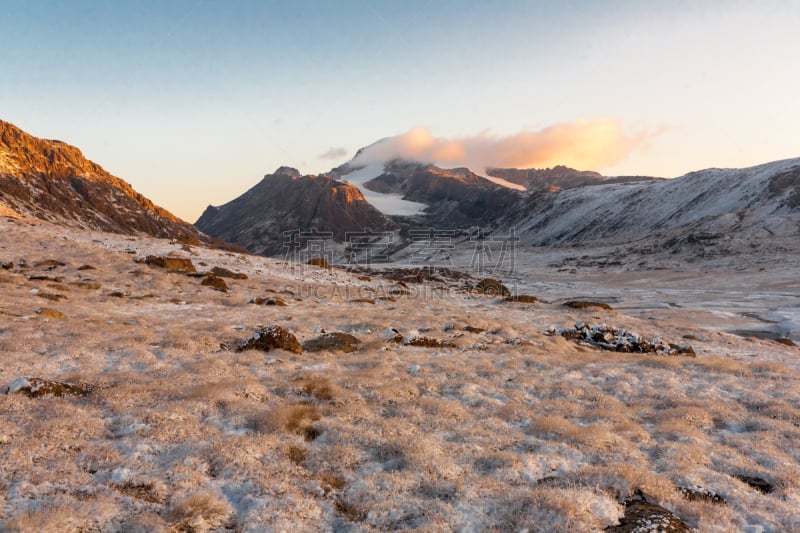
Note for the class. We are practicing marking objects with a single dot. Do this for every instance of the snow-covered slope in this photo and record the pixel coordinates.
(386, 203)
(719, 201)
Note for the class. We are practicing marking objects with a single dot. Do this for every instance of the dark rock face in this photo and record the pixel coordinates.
(492, 287)
(53, 181)
(287, 202)
(336, 341)
(785, 341)
(758, 483)
(172, 264)
(35, 387)
(456, 197)
(271, 338)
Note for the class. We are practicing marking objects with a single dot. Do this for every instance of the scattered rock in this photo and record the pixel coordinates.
(620, 340)
(429, 342)
(473, 329)
(49, 264)
(641, 517)
(492, 287)
(86, 284)
(758, 483)
(392, 335)
(35, 387)
(699, 494)
(522, 298)
(225, 273)
(7, 265)
(41, 277)
(387, 298)
(362, 301)
(271, 338)
(215, 283)
(86, 267)
(690, 337)
(46, 312)
(172, 264)
(785, 341)
(586, 304)
(336, 341)
(320, 262)
(116, 294)
(272, 300)
(51, 296)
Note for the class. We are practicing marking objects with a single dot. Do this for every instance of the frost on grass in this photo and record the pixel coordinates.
(527, 431)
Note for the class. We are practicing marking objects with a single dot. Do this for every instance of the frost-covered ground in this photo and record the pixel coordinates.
(509, 430)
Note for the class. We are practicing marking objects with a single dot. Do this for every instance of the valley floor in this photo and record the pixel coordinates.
(508, 429)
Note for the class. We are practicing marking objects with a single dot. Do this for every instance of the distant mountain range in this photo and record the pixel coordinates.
(560, 206)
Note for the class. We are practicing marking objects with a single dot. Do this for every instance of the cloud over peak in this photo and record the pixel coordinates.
(582, 145)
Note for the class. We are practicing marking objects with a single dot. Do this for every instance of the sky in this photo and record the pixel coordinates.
(192, 102)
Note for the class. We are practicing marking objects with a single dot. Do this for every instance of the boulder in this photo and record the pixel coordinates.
(215, 283)
(35, 387)
(336, 341)
(785, 341)
(492, 287)
(758, 483)
(49, 264)
(641, 516)
(586, 304)
(320, 262)
(522, 298)
(271, 338)
(392, 335)
(225, 273)
(172, 264)
(7, 265)
(429, 342)
(46, 312)
(272, 300)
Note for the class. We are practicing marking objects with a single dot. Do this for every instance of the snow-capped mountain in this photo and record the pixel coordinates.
(285, 201)
(52, 180)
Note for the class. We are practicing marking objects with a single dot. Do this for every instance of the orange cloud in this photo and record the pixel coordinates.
(582, 145)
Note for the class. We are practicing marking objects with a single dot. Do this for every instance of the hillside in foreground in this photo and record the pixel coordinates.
(129, 407)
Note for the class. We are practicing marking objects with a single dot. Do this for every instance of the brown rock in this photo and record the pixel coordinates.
(215, 283)
(586, 304)
(271, 338)
(336, 341)
(7, 265)
(51, 296)
(523, 298)
(492, 287)
(785, 341)
(225, 273)
(86, 267)
(35, 387)
(46, 312)
(320, 262)
(49, 264)
(473, 329)
(429, 342)
(172, 264)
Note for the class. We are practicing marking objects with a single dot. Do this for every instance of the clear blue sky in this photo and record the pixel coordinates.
(193, 101)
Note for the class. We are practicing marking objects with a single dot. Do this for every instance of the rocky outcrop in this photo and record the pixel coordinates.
(558, 177)
(53, 181)
(492, 287)
(620, 340)
(35, 387)
(271, 338)
(263, 218)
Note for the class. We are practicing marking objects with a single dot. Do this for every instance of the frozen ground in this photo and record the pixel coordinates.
(509, 430)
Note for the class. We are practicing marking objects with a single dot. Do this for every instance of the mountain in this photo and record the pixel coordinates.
(53, 181)
(451, 198)
(287, 201)
(559, 176)
(757, 204)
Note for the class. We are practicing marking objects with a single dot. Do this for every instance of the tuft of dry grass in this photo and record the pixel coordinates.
(296, 418)
(200, 511)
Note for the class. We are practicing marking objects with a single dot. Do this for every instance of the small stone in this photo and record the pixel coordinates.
(35, 387)
(275, 300)
(429, 342)
(522, 298)
(7, 265)
(473, 329)
(392, 335)
(86, 267)
(586, 304)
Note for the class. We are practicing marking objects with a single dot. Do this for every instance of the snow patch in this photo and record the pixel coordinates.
(388, 204)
